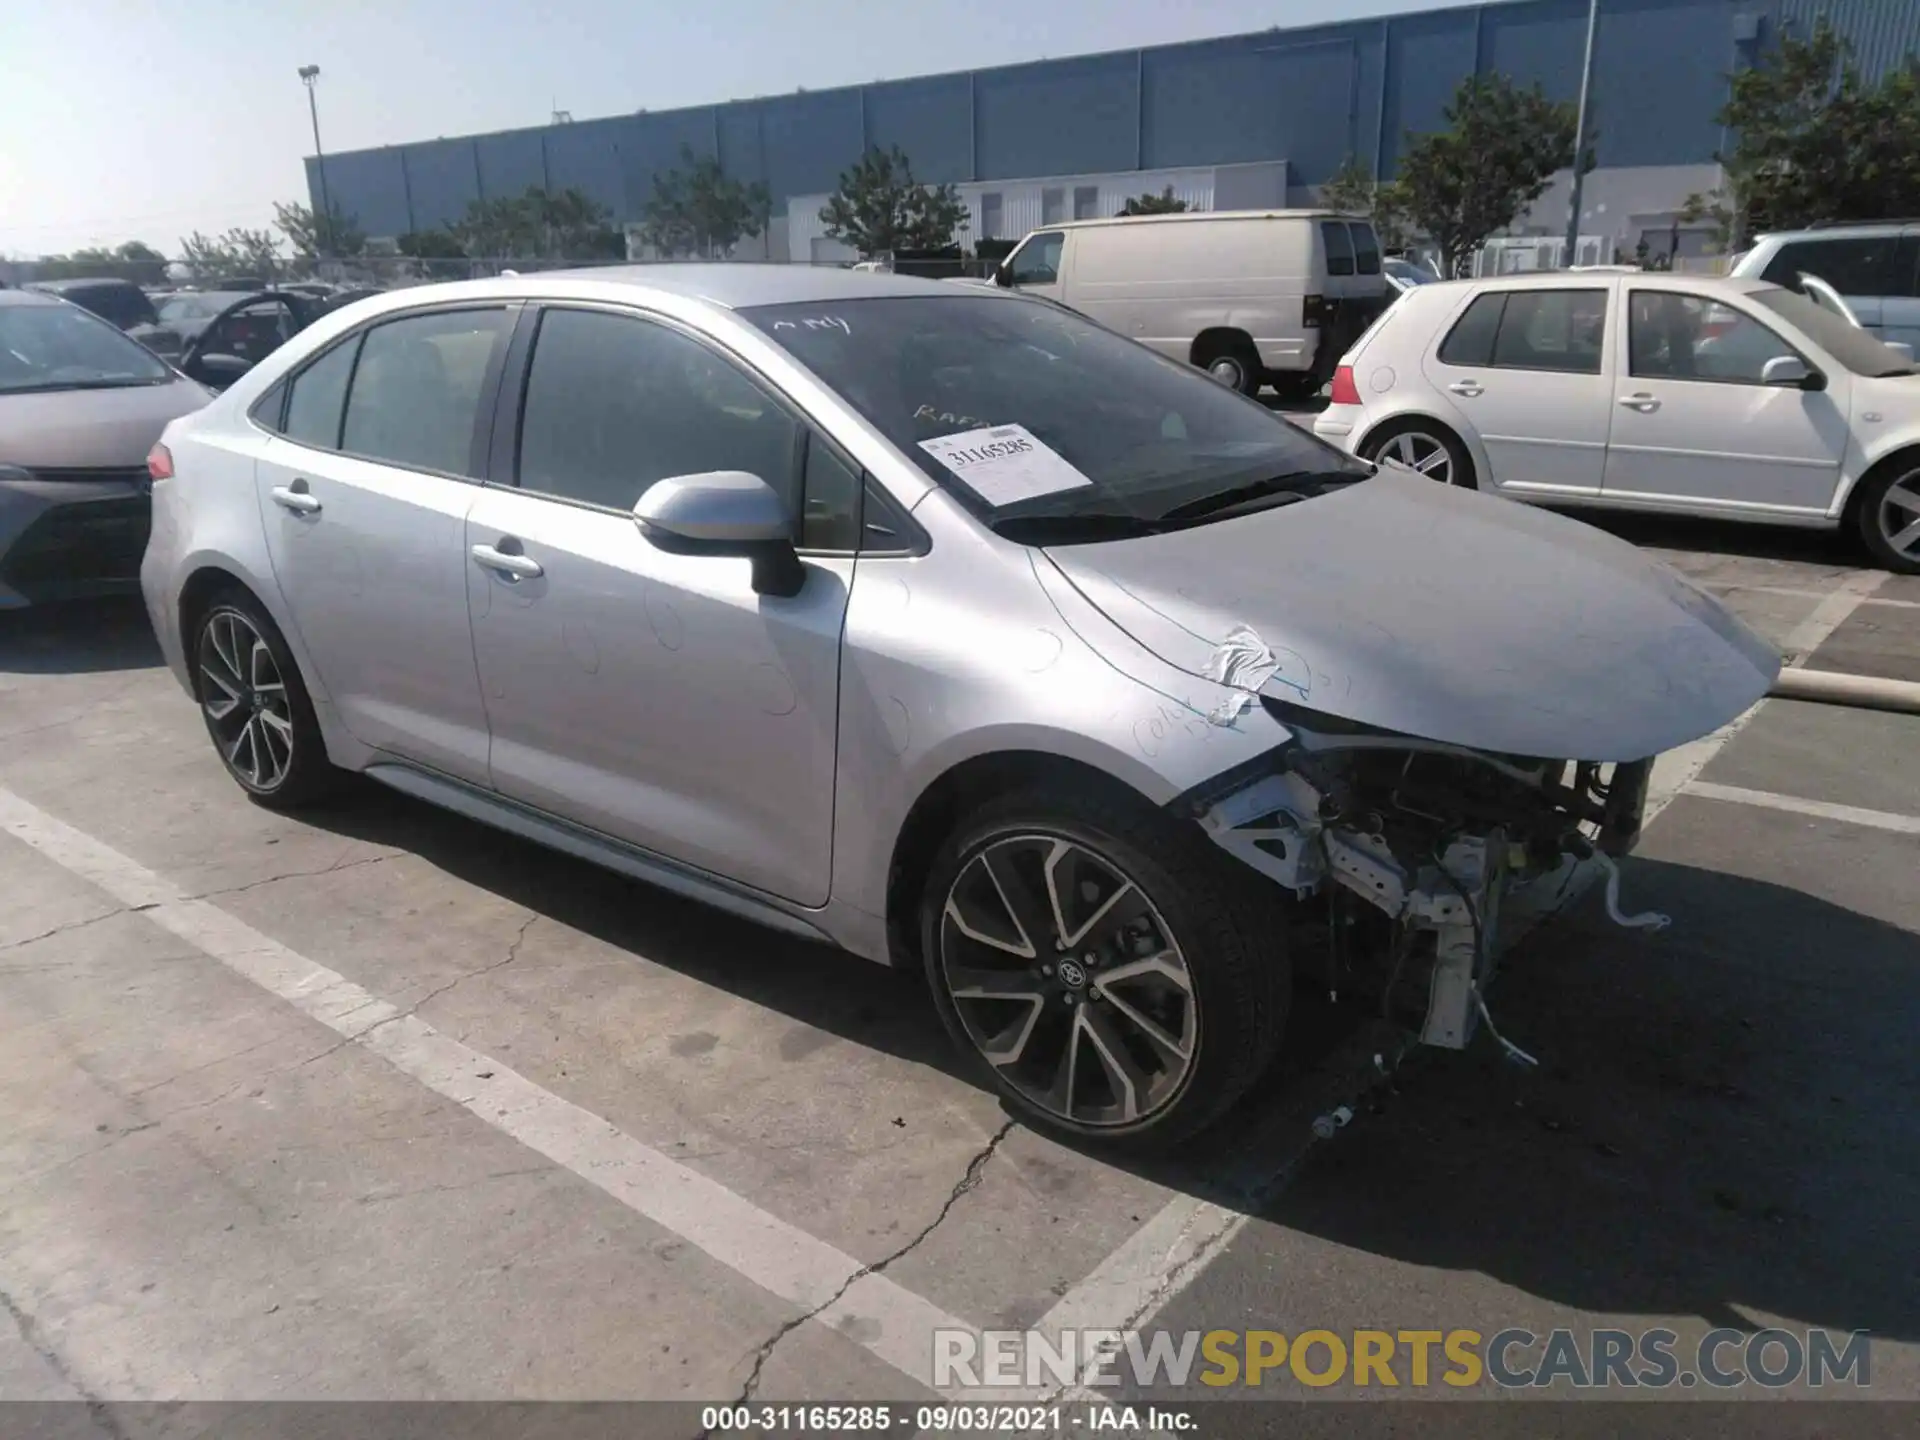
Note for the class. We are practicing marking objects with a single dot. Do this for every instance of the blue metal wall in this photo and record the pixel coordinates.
(1309, 96)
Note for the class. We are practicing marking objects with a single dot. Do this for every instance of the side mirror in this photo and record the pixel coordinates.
(217, 370)
(725, 512)
(1791, 370)
(1002, 276)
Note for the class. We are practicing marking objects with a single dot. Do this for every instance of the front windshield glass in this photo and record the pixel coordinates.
(1849, 344)
(61, 347)
(1088, 426)
(1411, 273)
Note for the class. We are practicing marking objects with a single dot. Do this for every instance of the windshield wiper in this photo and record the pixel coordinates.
(1275, 489)
(1082, 527)
(48, 387)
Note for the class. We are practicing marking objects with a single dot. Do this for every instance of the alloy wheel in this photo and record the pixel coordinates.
(1899, 517)
(1068, 981)
(1421, 452)
(244, 697)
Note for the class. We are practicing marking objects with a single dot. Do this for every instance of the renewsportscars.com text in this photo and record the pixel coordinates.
(1511, 1358)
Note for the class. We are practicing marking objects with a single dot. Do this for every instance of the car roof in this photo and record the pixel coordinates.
(1188, 217)
(1874, 230)
(1575, 279)
(29, 297)
(736, 285)
(62, 287)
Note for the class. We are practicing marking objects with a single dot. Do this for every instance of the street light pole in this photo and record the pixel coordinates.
(323, 225)
(1580, 139)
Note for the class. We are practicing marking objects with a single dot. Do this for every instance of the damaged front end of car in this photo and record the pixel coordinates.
(1419, 852)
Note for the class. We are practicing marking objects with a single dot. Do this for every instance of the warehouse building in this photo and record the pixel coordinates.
(1245, 120)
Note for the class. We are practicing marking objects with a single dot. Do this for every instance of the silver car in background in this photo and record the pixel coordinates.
(942, 625)
(80, 406)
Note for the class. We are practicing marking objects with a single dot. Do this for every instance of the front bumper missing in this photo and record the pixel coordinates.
(1445, 902)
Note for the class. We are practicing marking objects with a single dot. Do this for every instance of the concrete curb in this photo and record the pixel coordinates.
(1830, 687)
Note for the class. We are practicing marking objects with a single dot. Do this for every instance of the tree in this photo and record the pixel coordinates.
(133, 260)
(537, 225)
(440, 244)
(339, 235)
(1352, 189)
(1814, 141)
(880, 207)
(699, 210)
(1165, 203)
(238, 251)
(1502, 145)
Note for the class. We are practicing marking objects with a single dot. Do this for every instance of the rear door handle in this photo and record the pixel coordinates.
(1469, 388)
(514, 567)
(294, 497)
(1642, 402)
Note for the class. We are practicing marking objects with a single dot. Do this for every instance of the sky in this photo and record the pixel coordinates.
(125, 120)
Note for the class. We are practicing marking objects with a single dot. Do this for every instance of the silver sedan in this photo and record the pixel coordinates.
(938, 624)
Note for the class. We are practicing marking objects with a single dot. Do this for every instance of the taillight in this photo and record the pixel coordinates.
(1344, 391)
(160, 463)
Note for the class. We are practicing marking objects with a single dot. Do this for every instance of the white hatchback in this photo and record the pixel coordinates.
(1728, 398)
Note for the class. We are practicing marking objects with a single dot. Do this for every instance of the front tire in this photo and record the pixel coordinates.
(1889, 516)
(256, 707)
(1107, 969)
(1235, 366)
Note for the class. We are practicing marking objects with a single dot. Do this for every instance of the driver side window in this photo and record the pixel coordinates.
(1038, 261)
(1688, 337)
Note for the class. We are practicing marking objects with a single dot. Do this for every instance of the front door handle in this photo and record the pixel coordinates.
(294, 497)
(1642, 402)
(1469, 388)
(514, 567)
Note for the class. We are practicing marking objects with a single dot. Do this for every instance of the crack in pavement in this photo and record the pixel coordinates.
(31, 1337)
(969, 1181)
(513, 953)
(62, 929)
(340, 864)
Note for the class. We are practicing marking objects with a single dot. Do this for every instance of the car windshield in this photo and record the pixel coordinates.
(61, 347)
(1849, 344)
(1409, 272)
(1047, 426)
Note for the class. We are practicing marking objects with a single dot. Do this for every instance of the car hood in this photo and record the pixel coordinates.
(1438, 613)
(91, 429)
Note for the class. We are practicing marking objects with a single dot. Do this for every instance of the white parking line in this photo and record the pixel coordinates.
(1172, 1250)
(871, 1311)
(1798, 593)
(1819, 809)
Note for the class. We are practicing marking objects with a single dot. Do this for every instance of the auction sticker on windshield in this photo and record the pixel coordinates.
(1004, 464)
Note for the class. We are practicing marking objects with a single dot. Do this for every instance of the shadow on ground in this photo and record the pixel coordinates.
(1724, 1124)
(1725, 1117)
(79, 638)
(1836, 549)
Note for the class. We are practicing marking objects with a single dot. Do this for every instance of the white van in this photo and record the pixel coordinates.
(1253, 296)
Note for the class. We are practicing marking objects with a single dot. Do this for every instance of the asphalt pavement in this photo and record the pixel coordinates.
(380, 1104)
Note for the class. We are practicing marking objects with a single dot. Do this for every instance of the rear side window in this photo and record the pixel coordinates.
(1552, 330)
(1470, 342)
(1857, 266)
(318, 399)
(417, 391)
(1366, 250)
(1339, 247)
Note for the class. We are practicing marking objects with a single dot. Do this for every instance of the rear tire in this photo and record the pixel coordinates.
(1234, 364)
(1888, 515)
(256, 706)
(1425, 446)
(1166, 1005)
(1296, 384)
